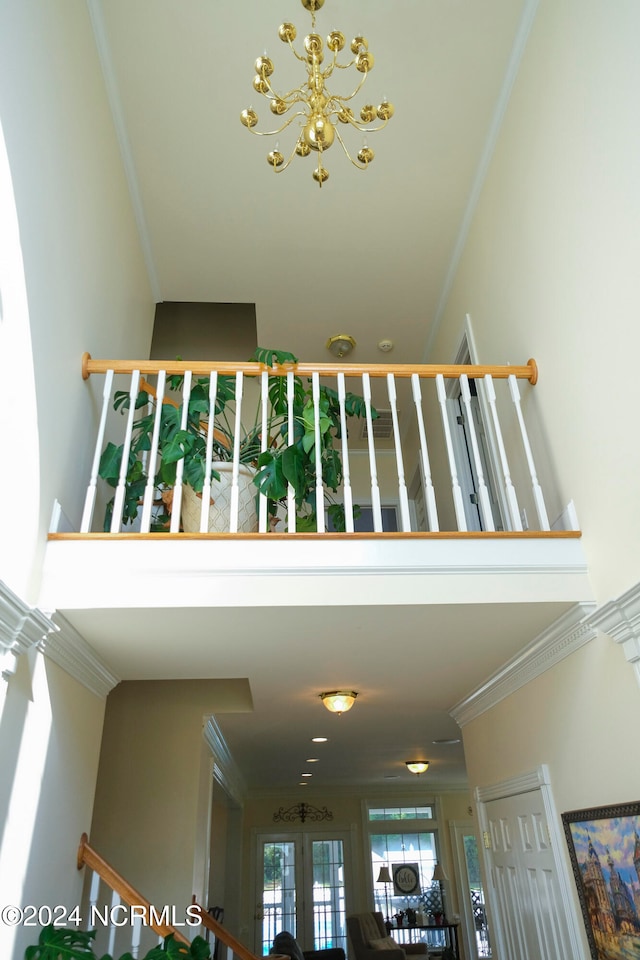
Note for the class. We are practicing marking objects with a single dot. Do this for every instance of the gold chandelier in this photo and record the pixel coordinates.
(319, 111)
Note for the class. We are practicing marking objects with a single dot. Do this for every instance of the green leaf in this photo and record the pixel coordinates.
(270, 479)
(60, 943)
(293, 470)
(272, 357)
(109, 468)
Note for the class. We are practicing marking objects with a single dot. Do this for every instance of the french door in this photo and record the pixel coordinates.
(301, 882)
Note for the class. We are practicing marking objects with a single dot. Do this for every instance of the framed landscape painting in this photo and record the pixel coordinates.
(604, 846)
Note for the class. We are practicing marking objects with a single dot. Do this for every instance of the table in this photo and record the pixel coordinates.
(449, 938)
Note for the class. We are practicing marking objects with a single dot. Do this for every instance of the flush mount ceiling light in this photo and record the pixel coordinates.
(318, 111)
(340, 345)
(339, 701)
(417, 766)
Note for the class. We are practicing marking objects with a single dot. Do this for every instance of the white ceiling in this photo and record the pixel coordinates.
(370, 254)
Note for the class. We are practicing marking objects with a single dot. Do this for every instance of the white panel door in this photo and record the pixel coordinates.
(528, 899)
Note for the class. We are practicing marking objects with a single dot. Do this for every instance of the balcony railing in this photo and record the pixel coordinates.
(454, 455)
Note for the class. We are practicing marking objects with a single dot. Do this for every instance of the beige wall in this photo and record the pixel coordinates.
(50, 729)
(85, 277)
(549, 269)
(148, 814)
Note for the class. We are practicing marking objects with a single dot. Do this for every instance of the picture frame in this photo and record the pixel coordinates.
(604, 848)
(406, 879)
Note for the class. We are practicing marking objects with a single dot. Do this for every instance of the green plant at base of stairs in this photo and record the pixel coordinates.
(62, 943)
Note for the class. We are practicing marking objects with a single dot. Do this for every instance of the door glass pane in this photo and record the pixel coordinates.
(390, 849)
(279, 891)
(328, 895)
(476, 893)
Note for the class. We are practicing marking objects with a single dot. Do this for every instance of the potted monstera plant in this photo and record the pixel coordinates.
(64, 943)
(268, 472)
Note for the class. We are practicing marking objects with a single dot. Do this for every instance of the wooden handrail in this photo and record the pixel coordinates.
(203, 368)
(223, 935)
(87, 856)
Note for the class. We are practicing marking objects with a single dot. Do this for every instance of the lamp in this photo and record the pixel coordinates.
(417, 766)
(339, 701)
(340, 345)
(318, 110)
(385, 877)
(439, 875)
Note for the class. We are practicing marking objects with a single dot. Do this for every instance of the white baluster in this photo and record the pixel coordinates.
(346, 475)
(136, 934)
(429, 493)
(291, 494)
(541, 509)
(402, 484)
(375, 489)
(315, 387)
(510, 490)
(211, 425)
(235, 489)
(115, 902)
(455, 485)
(118, 503)
(264, 387)
(483, 493)
(94, 890)
(149, 492)
(177, 490)
(90, 499)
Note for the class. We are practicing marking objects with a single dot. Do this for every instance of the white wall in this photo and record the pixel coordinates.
(86, 283)
(550, 266)
(50, 730)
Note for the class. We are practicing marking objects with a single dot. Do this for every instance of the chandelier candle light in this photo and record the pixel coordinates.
(319, 111)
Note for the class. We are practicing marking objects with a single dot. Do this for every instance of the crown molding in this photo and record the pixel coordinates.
(69, 650)
(570, 632)
(225, 769)
(620, 620)
(21, 627)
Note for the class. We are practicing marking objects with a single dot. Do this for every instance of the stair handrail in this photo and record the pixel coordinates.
(528, 371)
(128, 894)
(222, 934)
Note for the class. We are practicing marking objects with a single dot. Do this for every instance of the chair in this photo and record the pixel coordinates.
(286, 945)
(370, 940)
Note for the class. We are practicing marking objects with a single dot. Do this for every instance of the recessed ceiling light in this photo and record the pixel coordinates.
(306, 774)
(391, 776)
(311, 760)
(451, 740)
(303, 783)
(319, 739)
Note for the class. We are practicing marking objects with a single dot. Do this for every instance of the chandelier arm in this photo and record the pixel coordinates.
(272, 133)
(356, 163)
(356, 91)
(362, 129)
(287, 162)
(295, 52)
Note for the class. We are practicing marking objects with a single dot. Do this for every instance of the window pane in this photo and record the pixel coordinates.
(401, 813)
(279, 893)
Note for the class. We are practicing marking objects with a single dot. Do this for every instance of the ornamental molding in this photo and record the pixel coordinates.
(569, 633)
(21, 628)
(302, 811)
(620, 620)
(70, 651)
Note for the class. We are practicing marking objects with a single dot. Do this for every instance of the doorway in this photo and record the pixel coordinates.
(531, 909)
(301, 879)
(472, 451)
